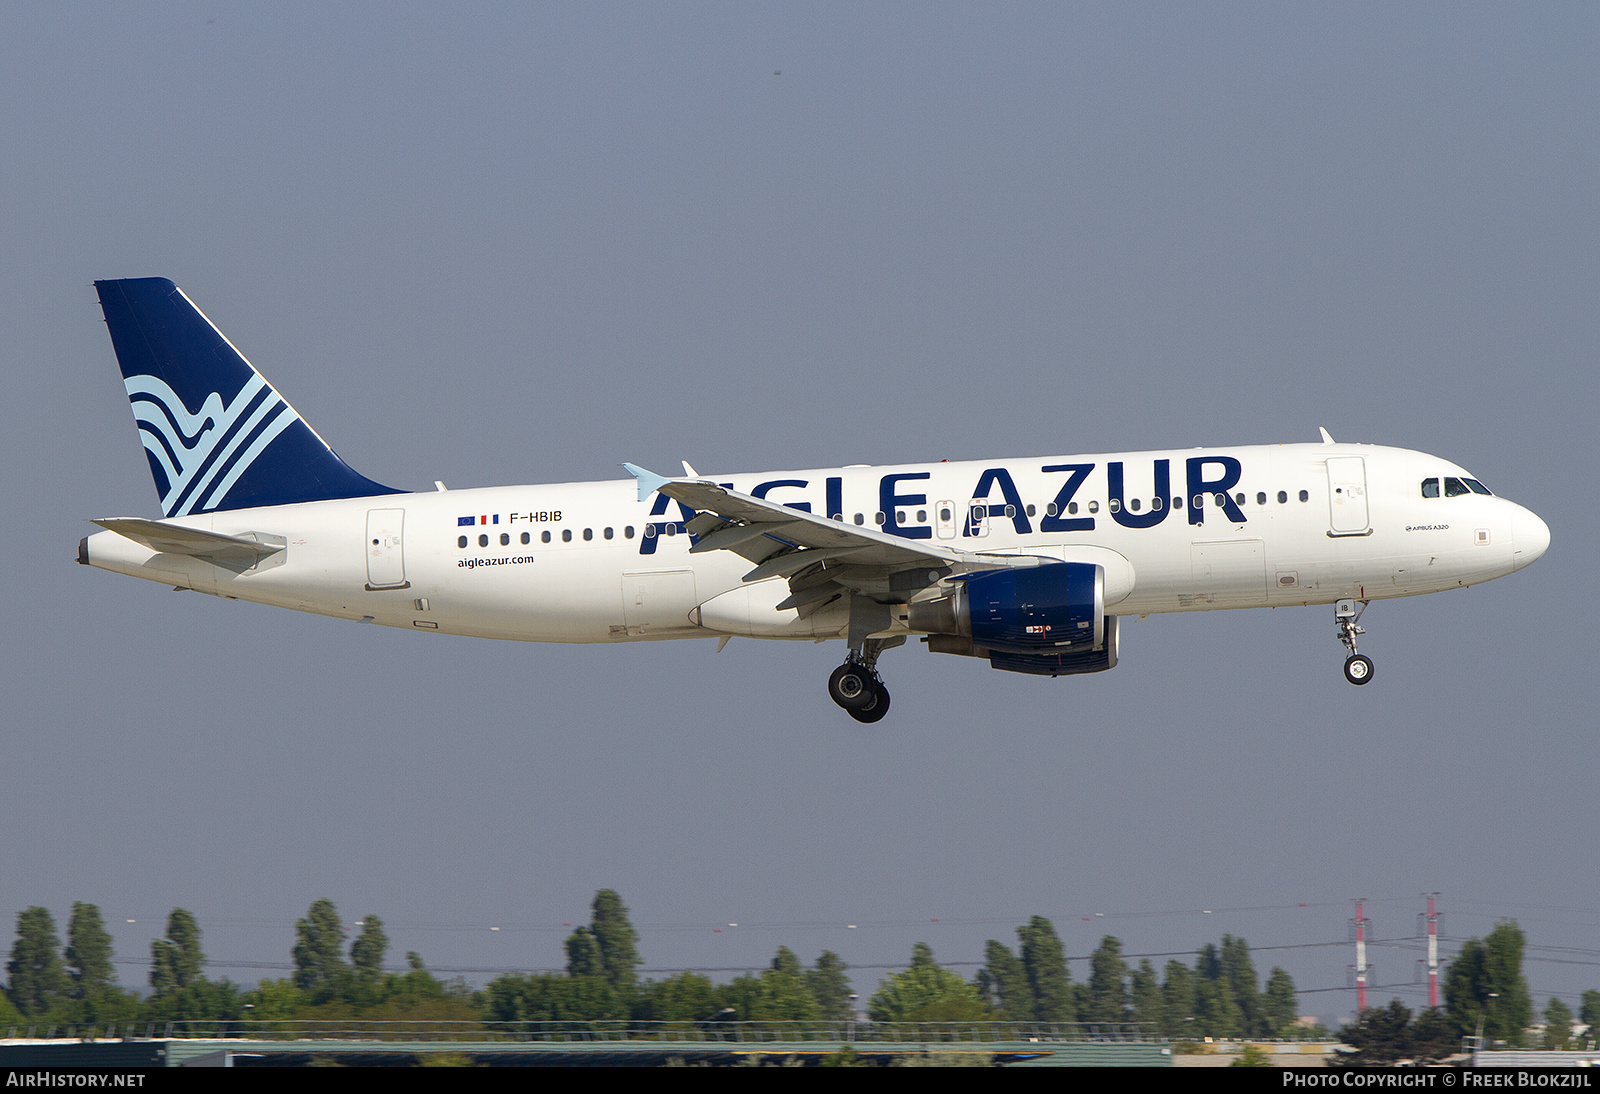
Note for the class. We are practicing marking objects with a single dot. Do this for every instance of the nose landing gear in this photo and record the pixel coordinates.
(856, 686)
(1358, 666)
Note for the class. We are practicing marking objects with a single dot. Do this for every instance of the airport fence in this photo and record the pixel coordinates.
(620, 1031)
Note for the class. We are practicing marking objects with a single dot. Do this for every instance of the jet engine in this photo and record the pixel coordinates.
(1044, 620)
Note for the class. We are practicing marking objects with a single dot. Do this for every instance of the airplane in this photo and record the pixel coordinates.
(1026, 563)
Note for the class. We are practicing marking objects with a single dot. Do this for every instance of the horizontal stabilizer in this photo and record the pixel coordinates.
(175, 540)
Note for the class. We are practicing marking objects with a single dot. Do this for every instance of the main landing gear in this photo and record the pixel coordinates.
(856, 686)
(1358, 666)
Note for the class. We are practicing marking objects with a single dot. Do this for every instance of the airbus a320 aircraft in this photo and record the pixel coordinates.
(1027, 563)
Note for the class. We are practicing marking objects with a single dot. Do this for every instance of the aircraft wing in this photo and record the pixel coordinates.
(176, 540)
(820, 557)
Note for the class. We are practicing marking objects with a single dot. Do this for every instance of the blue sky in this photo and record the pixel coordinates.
(499, 244)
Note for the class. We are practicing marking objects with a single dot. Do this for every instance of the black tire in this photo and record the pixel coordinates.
(1358, 668)
(851, 686)
(876, 709)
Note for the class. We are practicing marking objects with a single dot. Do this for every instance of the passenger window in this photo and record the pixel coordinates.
(1155, 503)
(877, 518)
(1133, 505)
(860, 519)
(649, 532)
(944, 514)
(1454, 488)
(1011, 510)
(505, 539)
(483, 541)
(1199, 502)
(1430, 488)
(526, 537)
(1031, 510)
(1094, 507)
(1072, 508)
(922, 516)
(1239, 498)
(1113, 505)
(588, 534)
(566, 534)
(672, 530)
(899, 516)
(1283, 496)
(1305, 496)
(627, 532)
(1177, 503)
(461, 541)
(1261, 498)
(1221, 500)
(544, 537)
(608, 533)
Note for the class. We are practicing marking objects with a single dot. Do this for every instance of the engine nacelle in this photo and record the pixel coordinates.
(1058, 608)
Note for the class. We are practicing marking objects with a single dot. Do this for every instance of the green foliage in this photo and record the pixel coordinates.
(1253, 1056)
(1387, 1035)
(1108, 992)
(548, 998)
(1145, 997)
(1485, 986)
(1177, 1001)
(1589, 1015)
(619, 942)
(830, 987)
(88, 952)
(1557, 1025)
(366, 953)
(583, 954)
(319, 952)
(926, 993)
(685, 997)
(38, 981)
(1003, 983)
(176, 961)
(1045, 962)
(779, 994)
(1239, 971)
(1278, 1007)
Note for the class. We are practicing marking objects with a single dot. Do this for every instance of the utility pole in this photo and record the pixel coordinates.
(1361, 955)
(1433, 952)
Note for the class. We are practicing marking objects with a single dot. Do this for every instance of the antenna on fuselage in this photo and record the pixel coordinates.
(1327, 438)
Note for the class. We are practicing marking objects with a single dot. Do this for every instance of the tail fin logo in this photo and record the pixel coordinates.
(203, 453)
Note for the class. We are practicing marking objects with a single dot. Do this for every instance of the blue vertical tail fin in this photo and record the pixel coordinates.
(217, 435)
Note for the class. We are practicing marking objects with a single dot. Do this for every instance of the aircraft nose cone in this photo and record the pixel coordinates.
(1530, 538)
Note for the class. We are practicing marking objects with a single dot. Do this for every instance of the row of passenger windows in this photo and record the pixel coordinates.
(545, 536)
(980, 512)
(1454, 488)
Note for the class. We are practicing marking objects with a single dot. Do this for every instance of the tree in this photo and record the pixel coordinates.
(318, 952)
(88, 952)
(1379, 1036)
(583, 954)
(686, 997)
(1485, 986)
(1108, 992)
(1145, 997)
(1045, 962)
(366, 953)
(1003, 983)
(176, 961)
(831, 987)
(779, 994)
(1589, 1015)
(1239, 971)
(1279, 1008)
(1557, 1025)
(619, 942)
(37, 979)
(1177, 1001)
(926, 993)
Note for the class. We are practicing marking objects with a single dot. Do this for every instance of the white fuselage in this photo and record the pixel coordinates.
(589, 562)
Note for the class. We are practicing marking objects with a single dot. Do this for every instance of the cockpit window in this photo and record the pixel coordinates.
(1454, 488)
(1478, 487)
(1430, 488)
